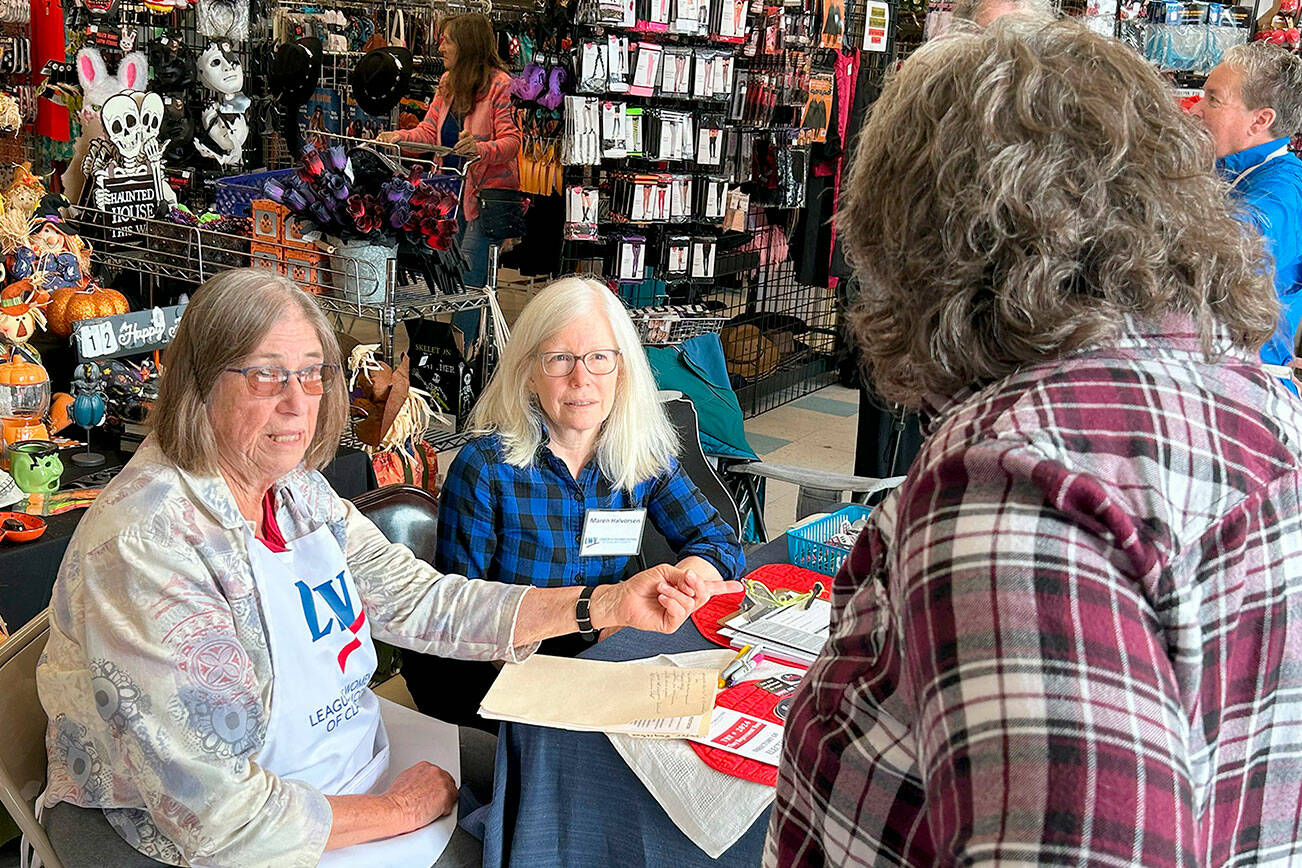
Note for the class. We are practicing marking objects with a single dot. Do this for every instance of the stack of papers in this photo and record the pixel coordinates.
(790, 633)
(597, 696)
(710, 807)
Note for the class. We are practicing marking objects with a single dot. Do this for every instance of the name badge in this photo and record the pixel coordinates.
(609, 532)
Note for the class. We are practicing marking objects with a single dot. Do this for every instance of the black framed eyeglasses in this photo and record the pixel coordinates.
(598, 362)
(267, 381)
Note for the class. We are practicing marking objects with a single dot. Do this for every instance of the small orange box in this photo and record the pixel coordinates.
(269, 221)
(267, 257)
(304, 268)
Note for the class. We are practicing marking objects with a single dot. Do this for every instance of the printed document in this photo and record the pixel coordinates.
(600, 696)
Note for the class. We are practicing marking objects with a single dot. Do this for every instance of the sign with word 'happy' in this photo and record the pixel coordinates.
(126, 334)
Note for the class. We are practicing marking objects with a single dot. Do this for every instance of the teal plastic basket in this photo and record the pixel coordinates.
(807, 546)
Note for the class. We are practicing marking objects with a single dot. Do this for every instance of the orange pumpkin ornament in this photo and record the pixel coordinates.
(72, 304)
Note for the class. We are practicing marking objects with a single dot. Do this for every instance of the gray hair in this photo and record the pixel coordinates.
(1003, 209)
(1271, 78)
(636, 442)
(979, 10)
(226, 319)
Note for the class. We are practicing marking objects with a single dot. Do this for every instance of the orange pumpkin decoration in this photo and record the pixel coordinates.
(72, 304)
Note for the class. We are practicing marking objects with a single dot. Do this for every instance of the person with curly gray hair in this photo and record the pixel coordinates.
(1070, 636)
(982, 12)
(1252, 107)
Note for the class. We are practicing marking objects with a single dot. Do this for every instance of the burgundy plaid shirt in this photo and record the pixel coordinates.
(1073, 635)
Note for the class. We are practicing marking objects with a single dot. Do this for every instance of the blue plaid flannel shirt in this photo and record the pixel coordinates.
(523, 525)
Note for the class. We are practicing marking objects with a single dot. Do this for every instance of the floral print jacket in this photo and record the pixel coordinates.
(157, 676)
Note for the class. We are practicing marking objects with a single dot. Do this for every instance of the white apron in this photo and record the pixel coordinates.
(325, 726)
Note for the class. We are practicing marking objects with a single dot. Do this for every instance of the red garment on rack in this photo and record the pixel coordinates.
(845, 72)
(47, 44)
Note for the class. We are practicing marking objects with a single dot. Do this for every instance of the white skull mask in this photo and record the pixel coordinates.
(121, 119)
(220, 69)
(151, 115)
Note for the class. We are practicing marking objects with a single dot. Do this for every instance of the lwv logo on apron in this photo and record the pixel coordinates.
(340, 604)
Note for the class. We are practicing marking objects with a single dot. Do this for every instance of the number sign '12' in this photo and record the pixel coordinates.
(127, 334)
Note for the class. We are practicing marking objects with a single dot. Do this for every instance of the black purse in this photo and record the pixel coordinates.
(501, 214)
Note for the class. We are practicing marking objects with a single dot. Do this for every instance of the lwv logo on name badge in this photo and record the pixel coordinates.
(340, 604)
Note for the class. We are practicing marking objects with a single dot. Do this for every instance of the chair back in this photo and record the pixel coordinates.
(404, 514)
(22, 750)
(682, 415)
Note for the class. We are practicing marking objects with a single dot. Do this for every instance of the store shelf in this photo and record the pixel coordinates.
(407, 302)
(188, 254)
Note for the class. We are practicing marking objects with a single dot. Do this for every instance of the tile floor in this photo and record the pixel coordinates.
(816, 432)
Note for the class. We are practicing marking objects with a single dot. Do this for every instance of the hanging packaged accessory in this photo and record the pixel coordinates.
(646, 69)
(501, 213)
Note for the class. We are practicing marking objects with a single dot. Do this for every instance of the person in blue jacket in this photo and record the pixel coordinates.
(572, 458)
(1252, 106)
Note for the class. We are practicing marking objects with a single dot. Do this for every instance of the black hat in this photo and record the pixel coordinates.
(380, 79)
(296, 71)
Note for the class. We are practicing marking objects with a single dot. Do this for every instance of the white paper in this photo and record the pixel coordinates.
(794, 626)
(711, 808)
(412, 737)
(744, 735)
(877, 26)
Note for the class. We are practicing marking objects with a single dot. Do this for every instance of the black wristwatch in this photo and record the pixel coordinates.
(583, 613)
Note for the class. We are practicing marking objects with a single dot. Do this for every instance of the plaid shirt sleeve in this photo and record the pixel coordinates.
(691, 525)
(467, 536)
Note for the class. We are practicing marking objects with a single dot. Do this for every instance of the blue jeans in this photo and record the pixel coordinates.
(474, 244)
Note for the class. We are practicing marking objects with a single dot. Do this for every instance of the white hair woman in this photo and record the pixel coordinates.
(572, 444)
(210, 633)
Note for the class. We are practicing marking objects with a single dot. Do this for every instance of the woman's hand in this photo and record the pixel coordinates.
(467, 145)
(658, 599)
(422, 794)
(389, 137)
(416, 798)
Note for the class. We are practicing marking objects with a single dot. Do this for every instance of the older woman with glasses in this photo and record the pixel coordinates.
(211, 627)
(573, 445)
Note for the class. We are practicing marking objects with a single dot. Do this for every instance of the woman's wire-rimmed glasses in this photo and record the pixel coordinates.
(267, 381)
(598, 362)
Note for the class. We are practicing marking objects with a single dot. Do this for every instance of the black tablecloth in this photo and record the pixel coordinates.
(27, 570)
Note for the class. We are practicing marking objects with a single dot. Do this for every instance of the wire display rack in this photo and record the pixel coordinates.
(673, 324)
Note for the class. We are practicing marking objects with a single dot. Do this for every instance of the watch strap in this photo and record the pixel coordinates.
(583, 613)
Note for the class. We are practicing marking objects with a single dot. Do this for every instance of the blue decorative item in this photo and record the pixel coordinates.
(88, 409)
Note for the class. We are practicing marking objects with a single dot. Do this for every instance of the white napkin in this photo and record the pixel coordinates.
(711, 808)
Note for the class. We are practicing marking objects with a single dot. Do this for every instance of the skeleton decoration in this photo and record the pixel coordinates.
(125, 169)
(224, 129)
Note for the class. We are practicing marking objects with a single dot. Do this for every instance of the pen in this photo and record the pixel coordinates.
(731, 663)
(747, 657)
(746, 668)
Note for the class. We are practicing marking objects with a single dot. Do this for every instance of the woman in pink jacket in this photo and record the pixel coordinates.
(471, 113)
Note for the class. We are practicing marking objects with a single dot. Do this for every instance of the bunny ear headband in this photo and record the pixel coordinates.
(96, 83)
